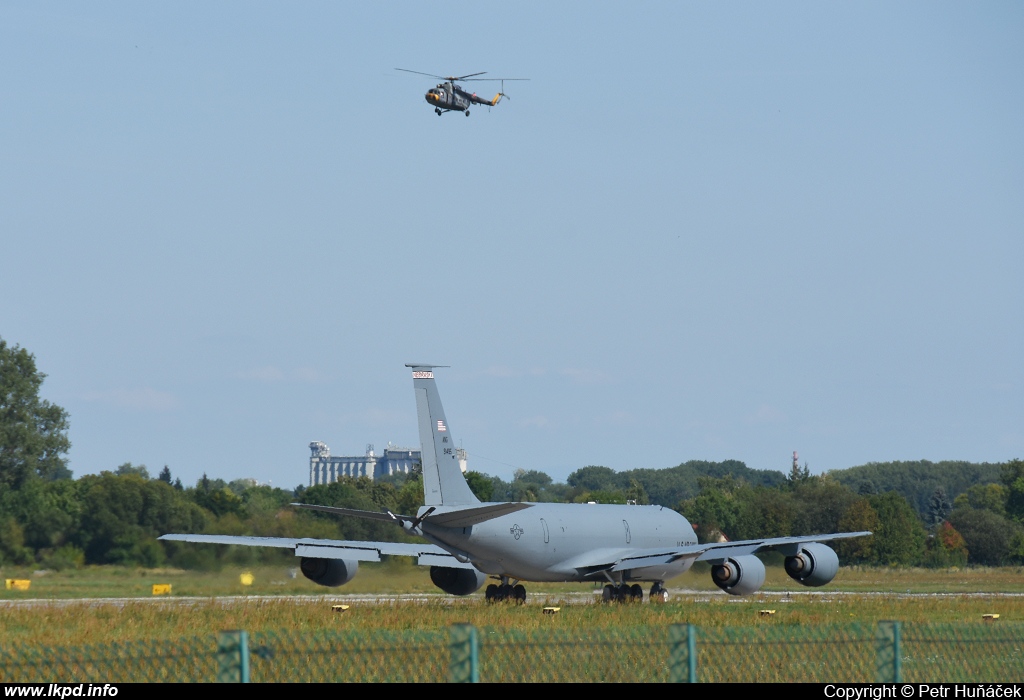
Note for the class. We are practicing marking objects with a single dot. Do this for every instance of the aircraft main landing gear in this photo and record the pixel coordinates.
(467, 112)
(505, 591)
(622, 593)
(658, 593)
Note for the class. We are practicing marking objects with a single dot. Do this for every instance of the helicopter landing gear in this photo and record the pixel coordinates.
(505, 592)
(467, 112)
(438, 111)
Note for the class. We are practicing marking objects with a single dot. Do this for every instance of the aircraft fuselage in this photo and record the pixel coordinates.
(558, 541)
(451, 98)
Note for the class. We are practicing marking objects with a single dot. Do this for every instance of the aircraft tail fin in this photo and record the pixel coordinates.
(443, 482)
(497, 99)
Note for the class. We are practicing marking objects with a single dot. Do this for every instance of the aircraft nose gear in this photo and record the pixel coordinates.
(622, 593)
(438, 110)
(506, 591)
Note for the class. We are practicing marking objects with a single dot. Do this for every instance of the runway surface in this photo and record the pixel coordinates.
(583, 597)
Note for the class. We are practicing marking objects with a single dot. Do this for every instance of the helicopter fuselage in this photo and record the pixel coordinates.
(449, 97)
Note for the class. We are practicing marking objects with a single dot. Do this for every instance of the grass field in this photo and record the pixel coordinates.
(401, 576)
(92, 624)
(868, 595)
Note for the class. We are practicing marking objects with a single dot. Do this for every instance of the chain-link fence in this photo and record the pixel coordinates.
(173, 660)
(890, 651)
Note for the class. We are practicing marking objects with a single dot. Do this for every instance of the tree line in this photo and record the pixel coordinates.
(922, 513)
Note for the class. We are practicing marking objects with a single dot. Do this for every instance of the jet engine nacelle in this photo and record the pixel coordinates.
(740, 575)
(457, 581)
(815, 565)
(328, 572)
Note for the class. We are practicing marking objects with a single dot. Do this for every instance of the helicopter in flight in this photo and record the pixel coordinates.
(450, 97)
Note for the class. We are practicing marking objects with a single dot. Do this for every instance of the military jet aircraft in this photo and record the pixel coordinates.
(468, 542)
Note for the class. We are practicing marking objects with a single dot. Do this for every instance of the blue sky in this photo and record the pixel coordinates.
(701, 231)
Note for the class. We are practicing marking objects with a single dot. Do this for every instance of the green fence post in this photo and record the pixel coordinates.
(683, 654)
(233, 657)
(887, 647)
(897, 654)
(691, 652)
(465, 653)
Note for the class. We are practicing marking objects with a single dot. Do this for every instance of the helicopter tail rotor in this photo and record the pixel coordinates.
(501, 94)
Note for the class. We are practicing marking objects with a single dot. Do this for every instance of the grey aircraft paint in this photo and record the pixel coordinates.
(470, 540)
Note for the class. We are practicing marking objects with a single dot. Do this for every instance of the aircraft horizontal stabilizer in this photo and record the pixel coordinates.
(386, 516)
(465, 517)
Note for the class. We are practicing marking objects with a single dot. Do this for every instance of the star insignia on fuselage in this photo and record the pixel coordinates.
(516, 531)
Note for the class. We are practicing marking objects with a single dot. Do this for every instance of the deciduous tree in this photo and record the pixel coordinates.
(33, 432)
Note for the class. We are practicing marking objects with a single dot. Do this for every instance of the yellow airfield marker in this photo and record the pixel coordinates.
(339, 608)
(765, 613)
(551, 611)
(17, 584)
(990, 617)
(161, 589)
(246, 579)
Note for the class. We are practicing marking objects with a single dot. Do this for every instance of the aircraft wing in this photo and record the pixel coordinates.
(787, 545)
(624, 559)
(426, 554)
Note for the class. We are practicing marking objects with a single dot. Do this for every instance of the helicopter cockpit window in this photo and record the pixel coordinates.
(440, 93)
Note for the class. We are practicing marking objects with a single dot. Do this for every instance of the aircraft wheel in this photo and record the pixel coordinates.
(491, 593)
(467, 112)
(608, 594)
(519, 593)
(658, 594)
(636, 593)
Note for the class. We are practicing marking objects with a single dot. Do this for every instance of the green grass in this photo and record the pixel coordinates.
(872, 595)
(80, 623)
(402, 576)
(396, 576)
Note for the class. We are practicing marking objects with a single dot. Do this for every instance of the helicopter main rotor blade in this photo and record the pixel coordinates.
(468, 78)
(431, 75)
(442, 77)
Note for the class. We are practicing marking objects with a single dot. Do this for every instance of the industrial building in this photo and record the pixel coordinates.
(325, 469)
